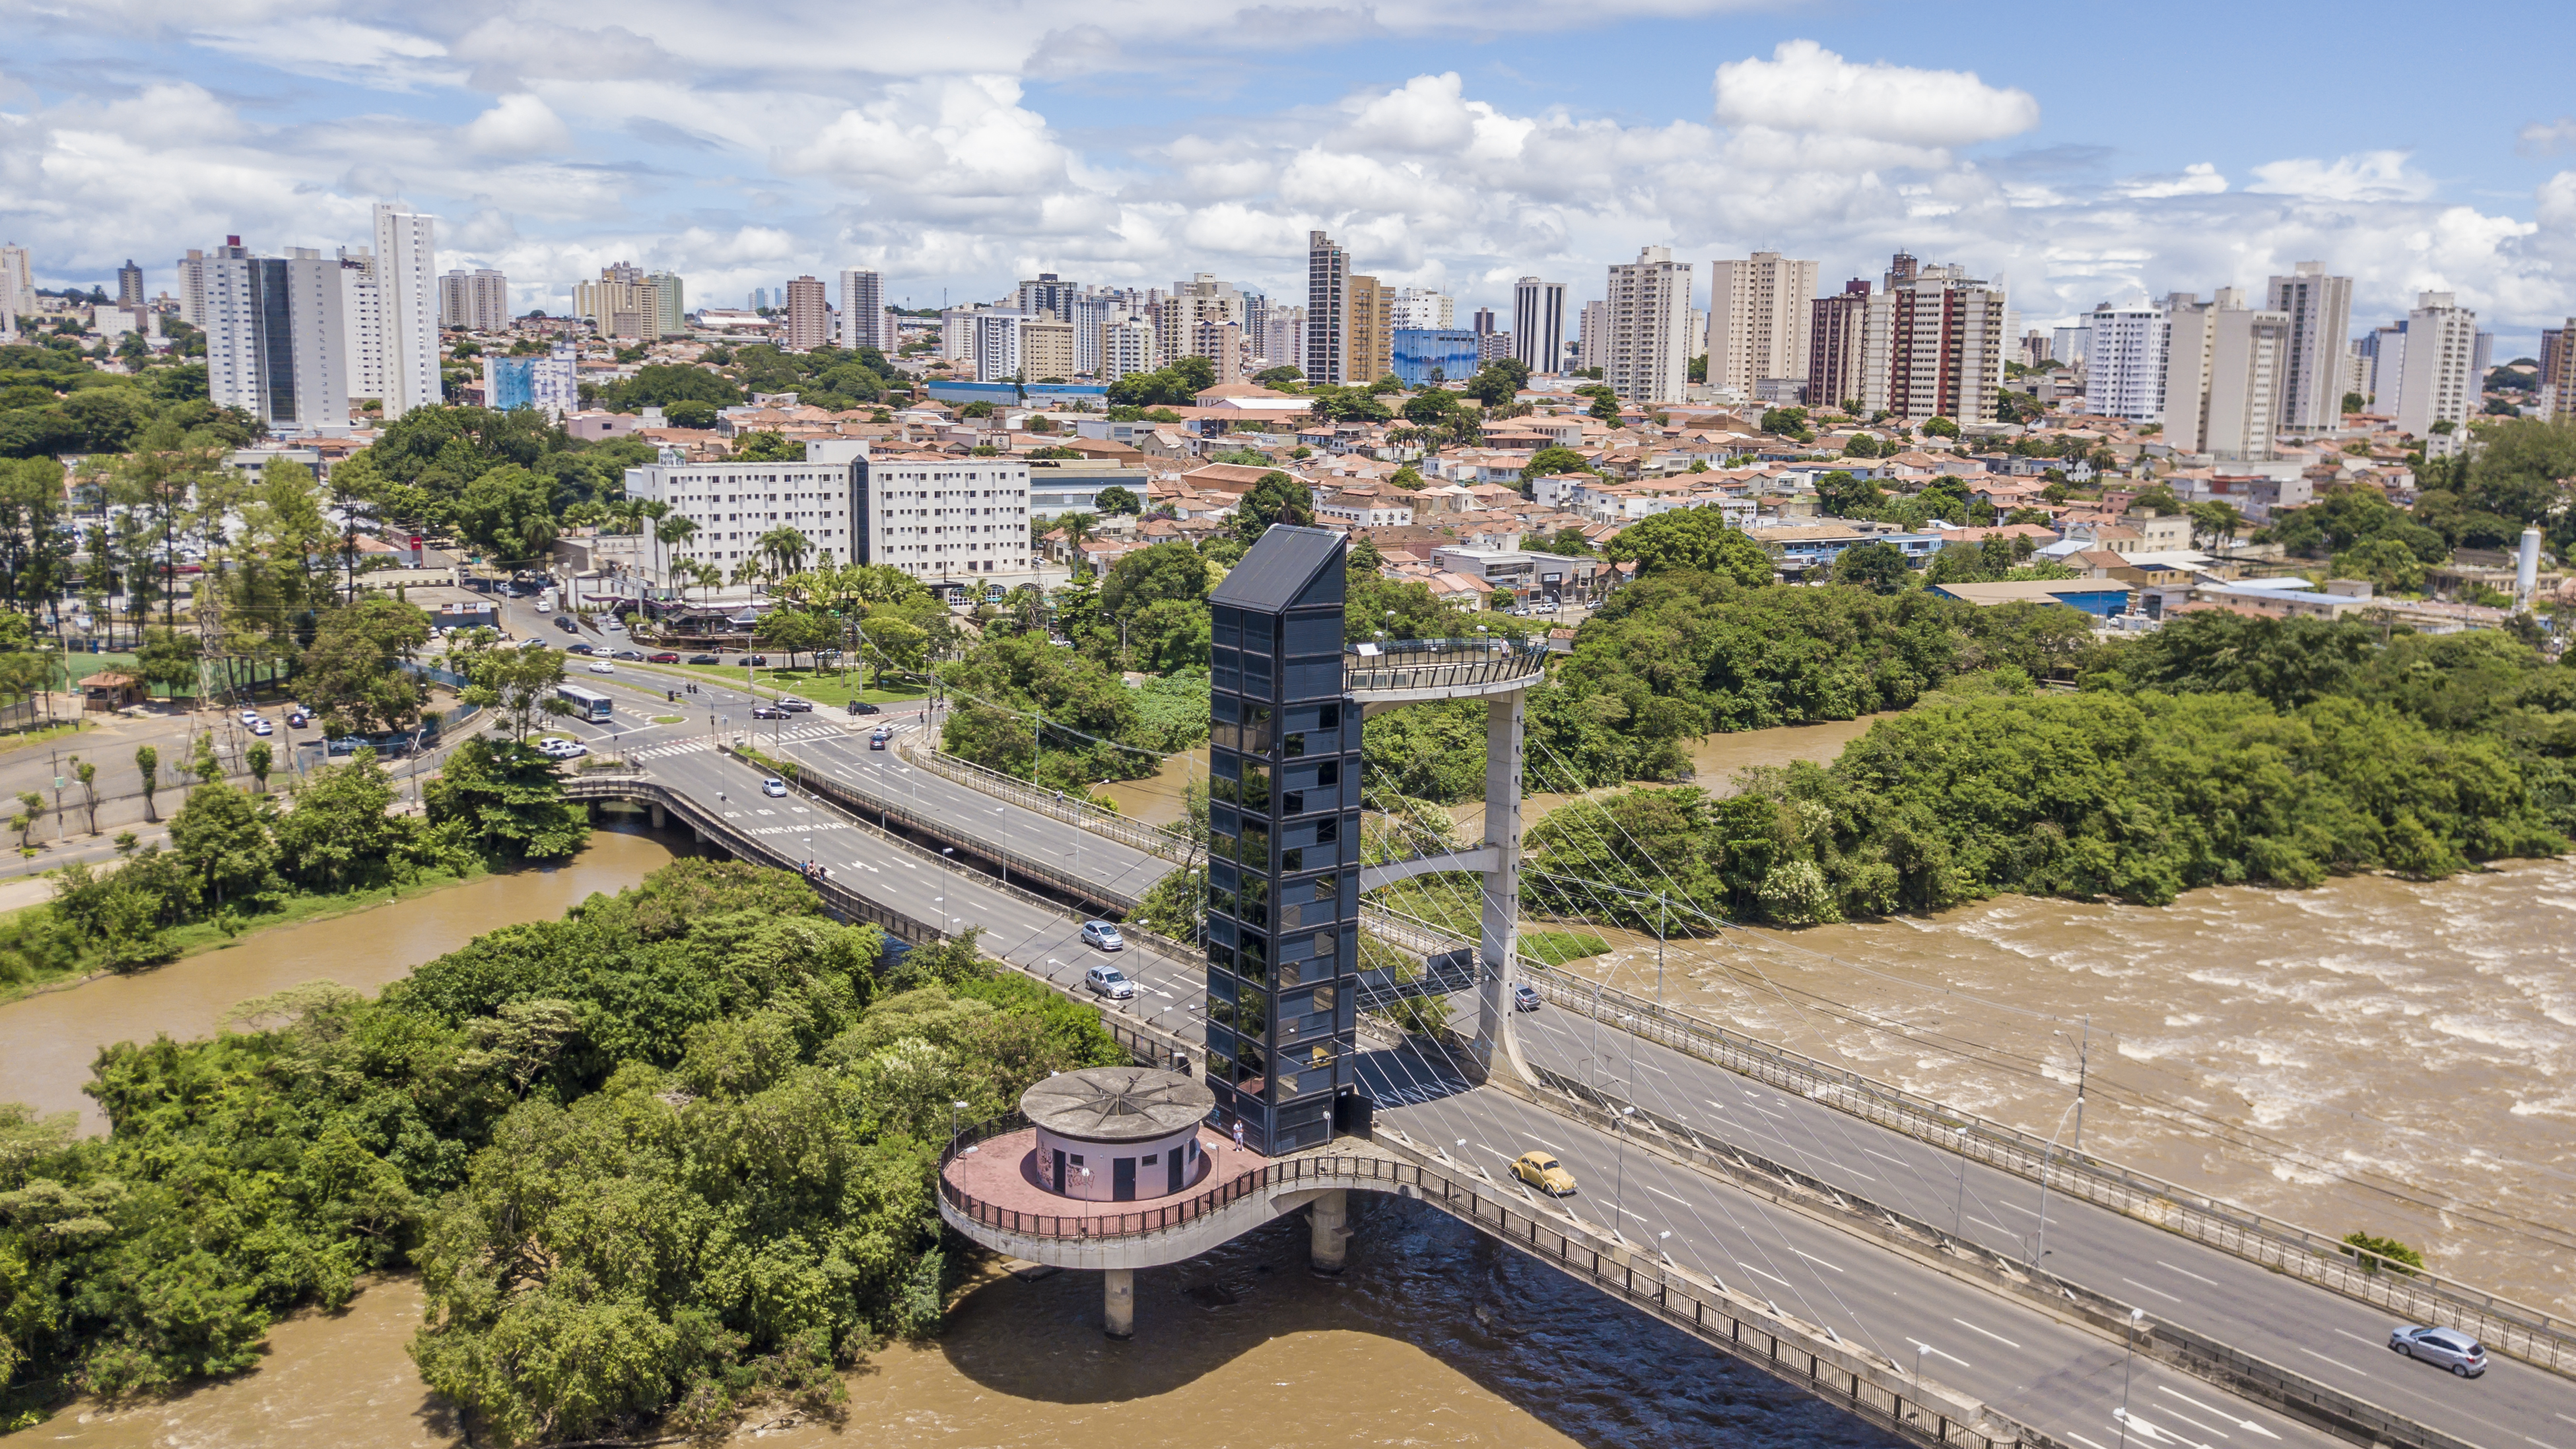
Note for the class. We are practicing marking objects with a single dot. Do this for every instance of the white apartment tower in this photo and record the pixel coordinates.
(997, 345)
(1126, 346)
(940, 517)
(1648, 333)
(1760, 320)
(17, 287)
(192, 288)
(863, 313)
(1328, 285)
(1538, 324)
(406, 268)
(2314, 373)
(733, 504)
(2441, 383)
(2124, 362)
(475, 301)
(277, 337)
(2224, 371)
(1419, 307)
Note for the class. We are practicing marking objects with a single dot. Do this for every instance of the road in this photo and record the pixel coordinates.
(2060, 1379)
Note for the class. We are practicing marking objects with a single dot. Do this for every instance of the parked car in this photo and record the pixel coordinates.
(880, 739)
(558, 748)
(296, 720)
(579, 649)
(774, 787)
(1109, 981)
(706, 659)
(794, 705)
(565, 623)
(2447, 1347)
(1539, 1170)
(767, 711)
(262, 727)
(602, 666)
(1103, 935)
(761, 660)
(250, 716)
(666, 657)
(1524, 997)
(633, 655)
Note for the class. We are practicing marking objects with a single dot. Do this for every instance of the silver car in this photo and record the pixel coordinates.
(1109, 981)
(2447, 1347)
(1103, 935)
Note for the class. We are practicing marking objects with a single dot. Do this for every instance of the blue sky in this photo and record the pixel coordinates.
(2081, 152)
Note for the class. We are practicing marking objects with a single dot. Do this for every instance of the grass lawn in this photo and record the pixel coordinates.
(41, 736)
(1558, 947)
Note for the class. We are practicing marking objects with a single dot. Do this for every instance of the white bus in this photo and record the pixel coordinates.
(587, 704)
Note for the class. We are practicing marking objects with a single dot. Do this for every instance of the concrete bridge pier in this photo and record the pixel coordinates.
(1328, 1242)
(1118, 1302)
(1499, 928)
(661, 817)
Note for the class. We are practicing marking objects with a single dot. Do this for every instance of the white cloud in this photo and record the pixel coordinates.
(1805, 87)
(2363, 176)
(521, 125)
(2547, 138)
(2198, 179)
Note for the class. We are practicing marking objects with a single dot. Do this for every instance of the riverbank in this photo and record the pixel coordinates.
(198, 937)
(49, 1039)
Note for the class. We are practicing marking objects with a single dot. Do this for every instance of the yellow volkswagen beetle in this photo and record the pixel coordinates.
(1540, 1170)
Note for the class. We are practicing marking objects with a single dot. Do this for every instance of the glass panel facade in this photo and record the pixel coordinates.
(1283, 887)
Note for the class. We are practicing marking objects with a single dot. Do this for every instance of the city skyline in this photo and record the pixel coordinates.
(1441, 157)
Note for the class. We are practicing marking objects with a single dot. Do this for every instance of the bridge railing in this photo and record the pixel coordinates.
(1439, 664)
(2415, 1294)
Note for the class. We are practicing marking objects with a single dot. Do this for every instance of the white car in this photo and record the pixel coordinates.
(556, 748)
(262, 727)
(602, 666)
(250, 717)
(774, 788)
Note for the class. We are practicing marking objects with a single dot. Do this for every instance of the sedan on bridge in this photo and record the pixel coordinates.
(2446, 1347)
(1524, 997)
(774, 787)
(1104, 935)
(1109, 981)
(1540, 1170)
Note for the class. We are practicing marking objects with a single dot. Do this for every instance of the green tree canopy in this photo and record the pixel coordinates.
(1693, 539)
(1275, 498)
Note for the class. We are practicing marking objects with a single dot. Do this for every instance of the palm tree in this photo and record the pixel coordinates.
(670, 532)
(784, 547)
(1077, 527)
(702, 573)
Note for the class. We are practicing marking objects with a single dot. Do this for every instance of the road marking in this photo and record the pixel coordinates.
(1668, 1197)
(2195, 1423)
(2080, 1439)
(1990, 1333)
(2364, 1342)
(2563, 1416)
(2159, 1292)
(2527, 1439)
(2186, 1272)
(1998, 1227)
(1774, 1277)
(1883, 1157)
(1641, 1217)
(1721, 1106)
(2338, 1363)
(2213, 1408)
(2152, 1432)
(1936, 1353)
(1812, 1258)
(1651, 1067)
(2016, 1207)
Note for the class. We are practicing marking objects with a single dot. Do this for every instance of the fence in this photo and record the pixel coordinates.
(2513, 1328)
(1804, 1356)
(1439, 664)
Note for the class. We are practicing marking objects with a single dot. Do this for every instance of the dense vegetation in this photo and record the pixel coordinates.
(668, 1156)
(2218, 750)
(55, 399)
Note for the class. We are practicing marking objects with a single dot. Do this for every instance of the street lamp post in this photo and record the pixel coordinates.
(2137, 1318)
(2083, 1056)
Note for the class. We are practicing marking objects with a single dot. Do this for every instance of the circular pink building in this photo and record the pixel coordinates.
(1118, 1134)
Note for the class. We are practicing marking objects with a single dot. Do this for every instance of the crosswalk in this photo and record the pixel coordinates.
(703, 744)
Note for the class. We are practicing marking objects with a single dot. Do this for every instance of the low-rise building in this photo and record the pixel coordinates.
(2099, 597)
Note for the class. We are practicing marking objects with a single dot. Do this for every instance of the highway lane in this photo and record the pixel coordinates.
(2060, 1379)
(2305, 1329)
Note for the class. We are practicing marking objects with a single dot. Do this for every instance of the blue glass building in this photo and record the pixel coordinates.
(1422, 351)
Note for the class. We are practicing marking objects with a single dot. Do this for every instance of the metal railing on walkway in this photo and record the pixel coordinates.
(2418, 1295)
(1418, 664)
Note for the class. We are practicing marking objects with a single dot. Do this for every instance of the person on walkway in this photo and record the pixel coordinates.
(1238, 1134)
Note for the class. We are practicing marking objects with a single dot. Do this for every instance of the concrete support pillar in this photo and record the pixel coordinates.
(1499, 931)
(1328, 1242)
(661, 817)
(1118, 1302)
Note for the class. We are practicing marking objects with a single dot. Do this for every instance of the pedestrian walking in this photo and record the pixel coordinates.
(1238, 1134)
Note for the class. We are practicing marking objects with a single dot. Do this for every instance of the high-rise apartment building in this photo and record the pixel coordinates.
(2320, 312)
(191, 288)
(406, 261)
(1933, 344)
(1419, 307)
(2440, 382)
(1049, 293)
(670, 303)
(1126, 346)
(277, 337)
(1276, 333)
(1485, 322)
(1538, 324)
(1760, 320)
(1592, 340)
(733, 504)
(1200, 300)
(623, 303)
(1328, 283)
(17, 285)
(809, 317)
(997, 345)
(936, 516)
(1222, 344)
(549, 384)
(1046, 349)
(1648, 328)
(863, 311)
(2224, 368)
(2124, 362)
(129, 285)
(1369, 354)
(1834, 334)
(2558, 372)
(475, 301)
